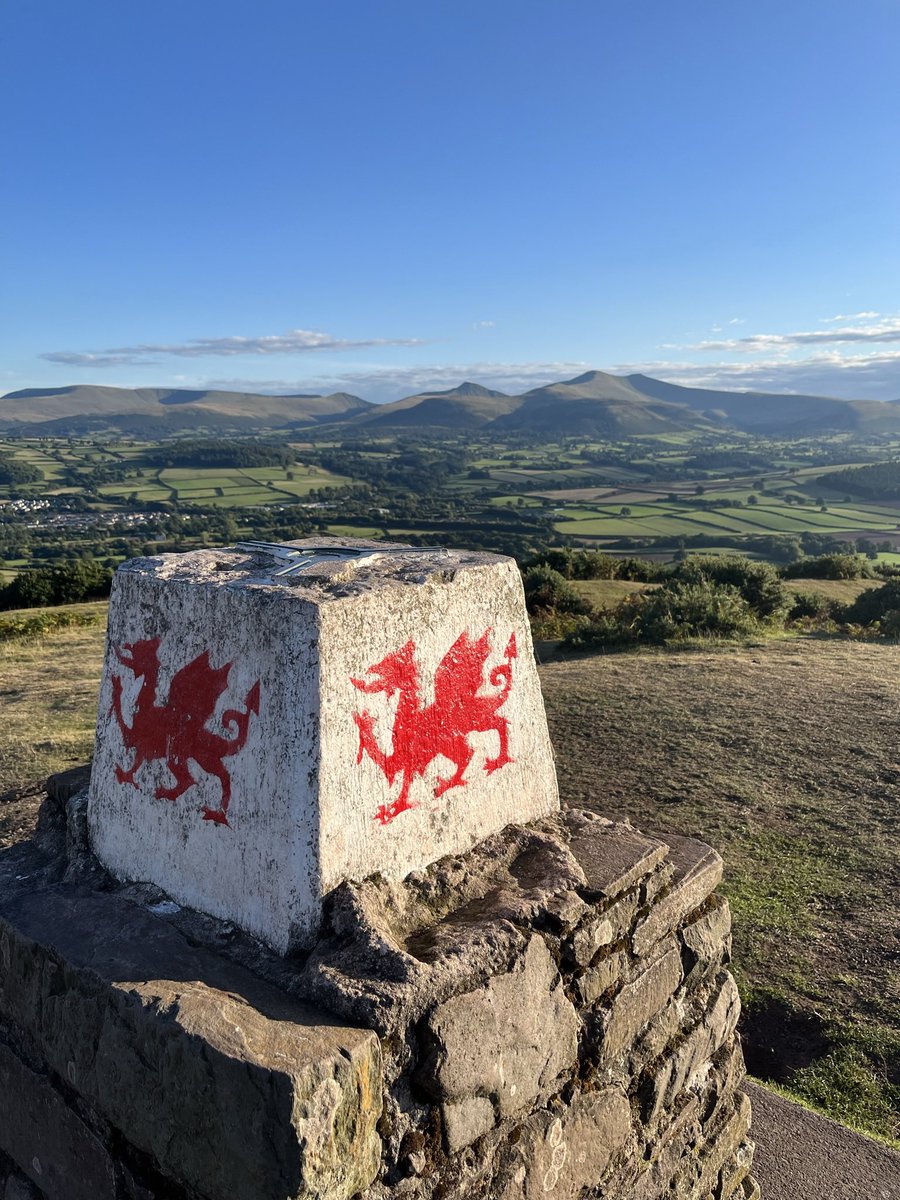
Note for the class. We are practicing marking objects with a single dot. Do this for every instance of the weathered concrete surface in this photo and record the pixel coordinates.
(349, 720)
(229, 1085)
(390, 952)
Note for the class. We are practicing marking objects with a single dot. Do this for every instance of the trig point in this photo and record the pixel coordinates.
(278, 718)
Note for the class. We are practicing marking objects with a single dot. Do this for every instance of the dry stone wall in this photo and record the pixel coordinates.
(547, 1015)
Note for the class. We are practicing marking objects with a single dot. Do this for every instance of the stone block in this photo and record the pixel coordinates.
(46, 1138)
(499, 1048)
(638, 1002)
(615, 858)
(600, 977)
(707, 940)
(698, 871)
(562, 1154)
(696, 1049)
(233, 1088)
(391, 952)
(262, 738)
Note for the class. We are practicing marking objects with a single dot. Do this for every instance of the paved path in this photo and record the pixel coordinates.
(802, 1156)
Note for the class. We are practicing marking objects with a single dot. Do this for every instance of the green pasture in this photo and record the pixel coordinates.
(224, 487)
(218, 486)
(770, 515)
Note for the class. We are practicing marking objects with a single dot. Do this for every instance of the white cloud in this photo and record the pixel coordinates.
(873, 376)
(860, 316)
(295, 341)
(886, 330)
(483, 324)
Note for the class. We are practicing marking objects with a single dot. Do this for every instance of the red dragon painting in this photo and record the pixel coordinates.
(423, 732)
(176, 732)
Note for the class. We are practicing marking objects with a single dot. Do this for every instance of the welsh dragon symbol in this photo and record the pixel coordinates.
(176, 731)
(423, 732)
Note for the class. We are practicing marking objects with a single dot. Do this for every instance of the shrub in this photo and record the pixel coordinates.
(876, 604)
(829, 566)
(547, 590)
(687, 609)
(68, 583)
(811, 604)
(675, 612)
(757, 582)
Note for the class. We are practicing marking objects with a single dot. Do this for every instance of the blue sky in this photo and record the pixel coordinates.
(379, 195)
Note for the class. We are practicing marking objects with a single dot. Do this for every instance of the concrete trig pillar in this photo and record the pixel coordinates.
(274, 721)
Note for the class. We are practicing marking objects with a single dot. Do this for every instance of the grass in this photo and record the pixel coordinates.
(212, 487)
(783, 756)
(49, 700)
(844, 591)
(607, 593)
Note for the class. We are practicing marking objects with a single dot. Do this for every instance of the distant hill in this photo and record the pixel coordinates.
(599, 405)
(594, 404)
(469, 406)
(772, 412)
(157, 411)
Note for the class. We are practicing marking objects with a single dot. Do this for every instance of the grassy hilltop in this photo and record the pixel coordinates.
(782, 754)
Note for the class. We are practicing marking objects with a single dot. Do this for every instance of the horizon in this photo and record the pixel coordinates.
(591, 371)
(381, 201)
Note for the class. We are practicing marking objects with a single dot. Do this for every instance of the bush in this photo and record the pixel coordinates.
(876, 604)
(829, 566)
(757, 582)
(686, 609)
(546, 590)
(811, 605)
(69, 583)
(674, 612)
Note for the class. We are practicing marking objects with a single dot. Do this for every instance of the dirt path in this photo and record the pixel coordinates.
(802, 1156)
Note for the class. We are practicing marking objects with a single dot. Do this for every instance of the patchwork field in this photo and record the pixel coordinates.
(667, 518)
(63, 466)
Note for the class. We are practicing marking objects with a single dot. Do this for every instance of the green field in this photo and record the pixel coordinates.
(63, 465)
(771, 515)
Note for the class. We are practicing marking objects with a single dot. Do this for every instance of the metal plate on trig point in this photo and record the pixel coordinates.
(293, 559)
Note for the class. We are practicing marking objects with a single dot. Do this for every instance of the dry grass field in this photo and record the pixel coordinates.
(48, 702)
(784, 755)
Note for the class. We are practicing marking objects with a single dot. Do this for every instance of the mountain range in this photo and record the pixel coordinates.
(594, 404)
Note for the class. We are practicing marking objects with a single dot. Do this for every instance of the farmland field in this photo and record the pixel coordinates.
(769, 515)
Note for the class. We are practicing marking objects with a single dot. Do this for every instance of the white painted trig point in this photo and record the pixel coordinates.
(277, 718)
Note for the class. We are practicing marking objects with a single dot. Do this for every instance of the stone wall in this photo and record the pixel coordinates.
(547, 1015)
